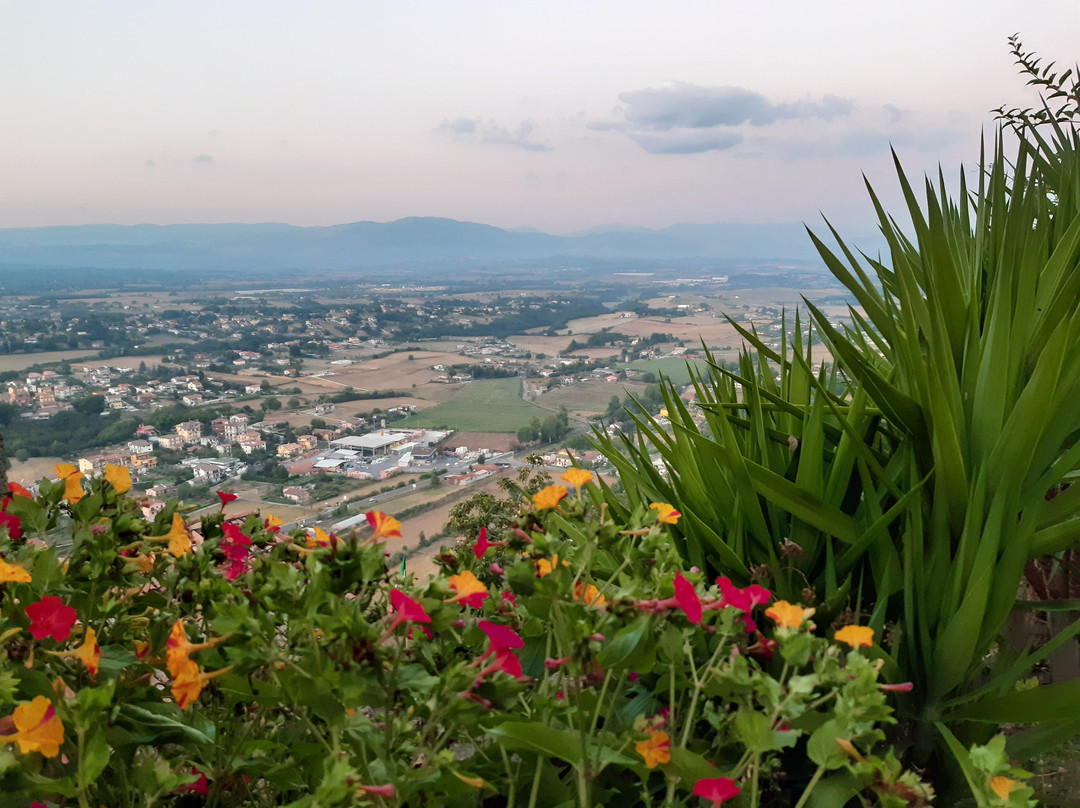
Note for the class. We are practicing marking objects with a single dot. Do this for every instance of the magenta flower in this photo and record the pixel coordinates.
(743, 599)
(687, 598)
(716, 790)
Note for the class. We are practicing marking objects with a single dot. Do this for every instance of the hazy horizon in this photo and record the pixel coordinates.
(557, 116)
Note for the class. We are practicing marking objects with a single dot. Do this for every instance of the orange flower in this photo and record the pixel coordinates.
(855, 636)
(188, 682)
(665, 514)
(469, 590)
(655, 750)
(320, 539)
(13, 573)
(73, 491)
(788, 615)
(89, 653)
(1002, 786)
(142, 648)
(37, 728)
(544, 567)
(178, 649)
(145, 562)
(577, 478)
(272, 523)
(119, 477)
(179, 539)
(383, 526)
(549, 497)
(589, 594)
(18, 491)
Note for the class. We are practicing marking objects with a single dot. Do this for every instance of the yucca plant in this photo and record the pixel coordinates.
(908, 478)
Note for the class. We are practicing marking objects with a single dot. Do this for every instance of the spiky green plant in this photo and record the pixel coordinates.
(909, 477)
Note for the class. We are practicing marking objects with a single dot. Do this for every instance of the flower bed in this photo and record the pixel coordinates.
(570, 662)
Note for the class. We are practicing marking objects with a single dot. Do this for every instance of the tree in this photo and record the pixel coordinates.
(270, 403)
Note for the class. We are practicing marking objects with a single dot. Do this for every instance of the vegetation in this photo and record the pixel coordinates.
(259, 669)
(487, 405)
(911, 481)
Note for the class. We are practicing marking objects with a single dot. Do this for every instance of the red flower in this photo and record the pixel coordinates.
(49, 617)
(743, 599)
(687, 597)
(226, 498)
(482, 544)
(235, 543)
(235, 570)
(198, 786)
(12, 523)
(716, 790)
(500, 636)
(18, 491)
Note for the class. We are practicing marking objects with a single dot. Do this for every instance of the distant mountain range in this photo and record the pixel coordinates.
(429, 244)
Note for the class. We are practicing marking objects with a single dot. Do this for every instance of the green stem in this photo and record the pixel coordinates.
(810, 787)
(81, 770)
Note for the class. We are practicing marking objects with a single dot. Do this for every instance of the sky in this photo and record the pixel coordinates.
(555, 115)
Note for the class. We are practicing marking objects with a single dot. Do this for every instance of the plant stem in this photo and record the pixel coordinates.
(810, 787)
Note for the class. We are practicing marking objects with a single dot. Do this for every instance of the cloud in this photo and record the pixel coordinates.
(682, 118)
(475, 130)
(202, 158)
(692, 107)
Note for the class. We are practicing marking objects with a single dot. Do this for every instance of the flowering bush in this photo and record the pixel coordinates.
(187, 662)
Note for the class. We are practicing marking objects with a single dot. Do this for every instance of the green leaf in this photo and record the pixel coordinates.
(822, 747)
(755, 730)
(632, 647)
(538, 737)
(1057, 702)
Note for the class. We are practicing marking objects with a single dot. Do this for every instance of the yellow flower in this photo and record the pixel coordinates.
(589, 594)
(788, 615)
(37, 728)
(89, 653)
(549, 497)
(272, 521)
(145, 562)
(13, 573)
(577, 478)
(320, 539)
(70, 475)
(655, 750)
(855, 636)
(1002, 786)
(665, 514)
(119, 477)
(179, 540)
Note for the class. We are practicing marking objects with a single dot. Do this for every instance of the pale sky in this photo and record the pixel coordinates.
(556, 115)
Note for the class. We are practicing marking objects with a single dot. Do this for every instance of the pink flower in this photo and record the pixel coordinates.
(386, 790)
(501, 643)
(408, 610)
(49, 617)
(716, 790)
(743, 599)
(687, 598)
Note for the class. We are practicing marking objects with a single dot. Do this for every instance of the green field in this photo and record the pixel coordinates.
(675, 369)
(486, 405)
(590, 397)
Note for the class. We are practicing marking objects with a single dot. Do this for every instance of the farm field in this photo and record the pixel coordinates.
(590, 398)
(30, 471)
(486, 405)
(21, 361)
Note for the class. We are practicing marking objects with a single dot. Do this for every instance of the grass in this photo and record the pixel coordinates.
(487, 405)
(590, 397)
(674, 368)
